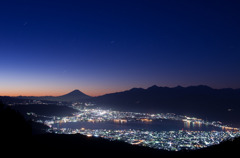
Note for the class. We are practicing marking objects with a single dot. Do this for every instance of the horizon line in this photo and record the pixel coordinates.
(117, 91)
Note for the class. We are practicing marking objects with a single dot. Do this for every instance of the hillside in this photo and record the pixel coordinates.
(46, 110)
(196, 101)
(72, 144)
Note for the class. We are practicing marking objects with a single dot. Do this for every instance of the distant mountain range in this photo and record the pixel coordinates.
(199, 101)
(73, 96)
(182, 97)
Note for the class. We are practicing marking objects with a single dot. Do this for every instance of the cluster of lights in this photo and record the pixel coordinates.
(98, 115)
(167, 140)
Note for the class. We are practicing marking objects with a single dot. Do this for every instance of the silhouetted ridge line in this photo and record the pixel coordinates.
(75, 95)
(199, 101)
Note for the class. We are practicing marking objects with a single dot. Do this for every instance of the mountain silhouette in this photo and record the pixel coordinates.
(199, 101)
(73, 96)
(69, 97)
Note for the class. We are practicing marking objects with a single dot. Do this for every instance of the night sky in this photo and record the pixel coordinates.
(50, 47)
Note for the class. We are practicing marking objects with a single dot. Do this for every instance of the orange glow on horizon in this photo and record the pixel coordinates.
(55, 90)
(39, 93)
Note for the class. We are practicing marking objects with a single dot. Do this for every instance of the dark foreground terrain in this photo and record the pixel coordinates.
(17, 138)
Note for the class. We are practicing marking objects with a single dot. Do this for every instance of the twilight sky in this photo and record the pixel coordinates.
(51, 47)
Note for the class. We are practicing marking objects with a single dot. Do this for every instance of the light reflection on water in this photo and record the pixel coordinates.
(155, 125)
(193, 125)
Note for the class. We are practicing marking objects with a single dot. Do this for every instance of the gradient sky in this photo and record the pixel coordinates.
(51, 47)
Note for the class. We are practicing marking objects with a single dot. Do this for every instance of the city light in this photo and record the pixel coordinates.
(167, 140)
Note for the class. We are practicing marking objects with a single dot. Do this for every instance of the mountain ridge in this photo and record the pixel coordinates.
(74, 95)
(132, 89)
(199, 101)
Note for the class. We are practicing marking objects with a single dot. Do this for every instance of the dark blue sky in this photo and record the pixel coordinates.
(53, 46)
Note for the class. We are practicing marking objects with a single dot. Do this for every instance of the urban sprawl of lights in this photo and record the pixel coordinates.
(167, 140)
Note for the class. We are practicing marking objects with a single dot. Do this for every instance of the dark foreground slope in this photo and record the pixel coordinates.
(16, 138)
(82, 145)
(229, 148)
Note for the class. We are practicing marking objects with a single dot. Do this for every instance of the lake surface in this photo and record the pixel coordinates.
(155, 125)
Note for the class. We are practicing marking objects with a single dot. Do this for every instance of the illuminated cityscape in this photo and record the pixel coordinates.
(120, 77)
(173, 140)
(167, 140)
